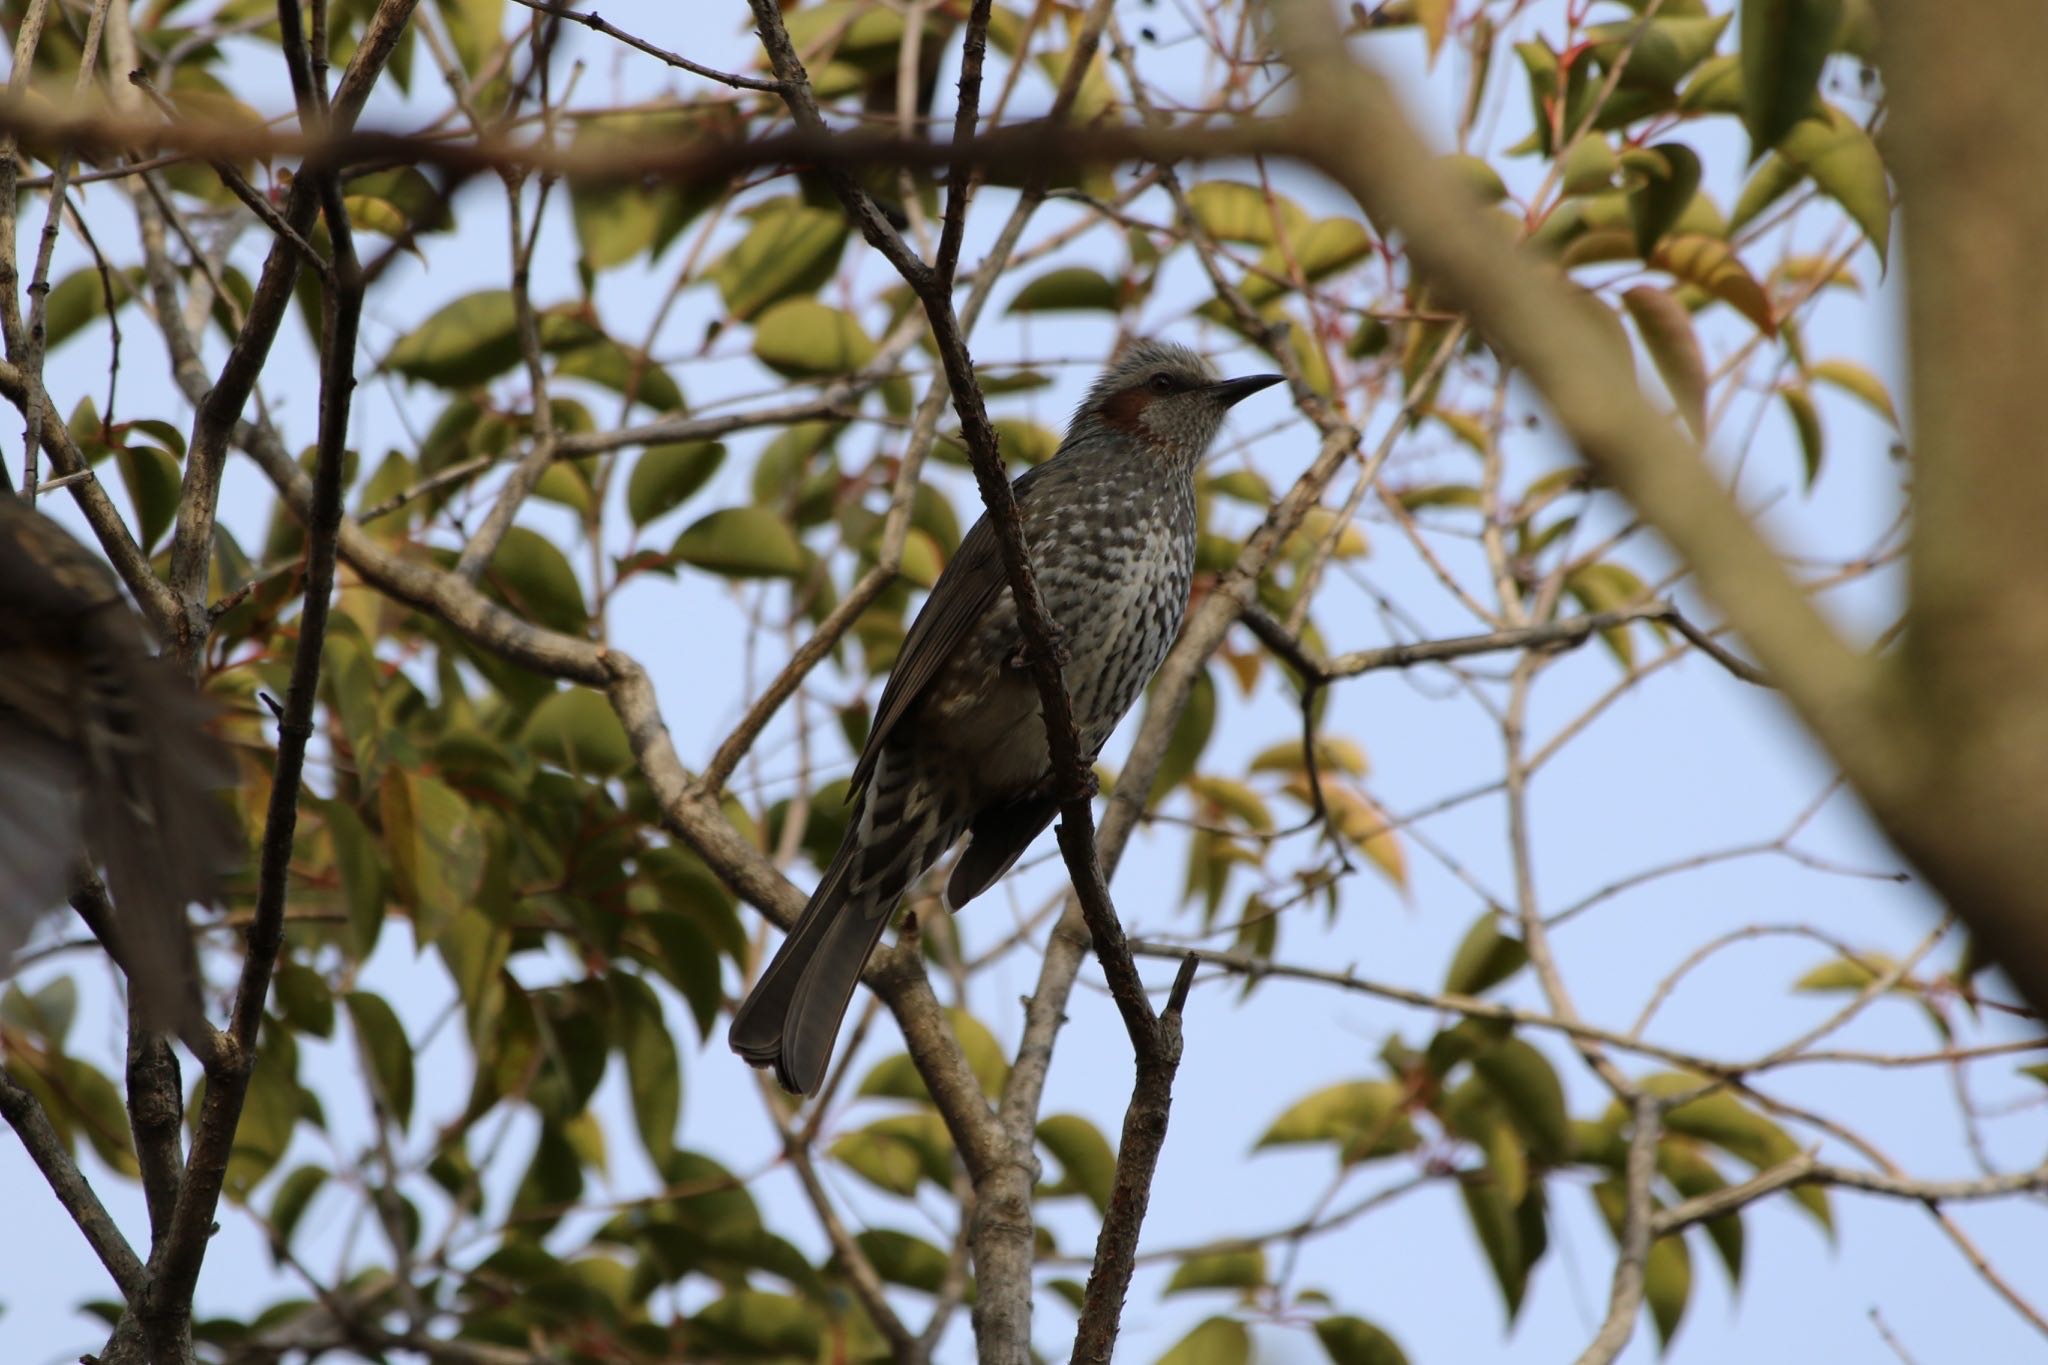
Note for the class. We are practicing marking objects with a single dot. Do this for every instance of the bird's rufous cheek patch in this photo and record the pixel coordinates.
(1126, 412)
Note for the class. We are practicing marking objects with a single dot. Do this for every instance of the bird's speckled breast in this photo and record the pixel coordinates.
(1114, 557)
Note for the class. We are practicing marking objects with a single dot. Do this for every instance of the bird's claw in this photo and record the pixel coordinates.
(1061, 654)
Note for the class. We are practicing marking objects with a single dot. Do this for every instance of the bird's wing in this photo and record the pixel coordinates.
(964, 593)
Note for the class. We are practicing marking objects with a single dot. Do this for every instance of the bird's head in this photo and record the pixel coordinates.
(1166, 399)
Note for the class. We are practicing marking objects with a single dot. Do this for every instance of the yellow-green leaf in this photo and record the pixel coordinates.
(803, 338)
(1218, 1341)
(1220, 1270)
(1354, 1341)
(1712, 265)
(1364, 1119)
(742, 542)
(577, 730)
(1666, 330)
(1234, 212)
(792, 249)
(1074, 288)
(1805, 416)
(463, 343)
(1087, 1165)
(435, 846)
(665, 476)
(1784, 44)
(387, 1056)
(1485, 958)
(531, 573)
(1857, 382)
(1845, 164)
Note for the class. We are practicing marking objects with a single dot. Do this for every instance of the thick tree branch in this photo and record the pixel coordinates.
(1353, 131)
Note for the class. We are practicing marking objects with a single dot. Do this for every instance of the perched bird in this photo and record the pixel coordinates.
(957, 744)
(103, 747)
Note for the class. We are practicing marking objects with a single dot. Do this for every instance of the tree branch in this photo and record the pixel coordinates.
(1137, 1158)
(25, 1115)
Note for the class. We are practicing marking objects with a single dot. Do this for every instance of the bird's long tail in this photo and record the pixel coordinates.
(791, 1018)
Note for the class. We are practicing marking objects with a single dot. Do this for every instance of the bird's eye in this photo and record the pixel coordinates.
(1162, 383)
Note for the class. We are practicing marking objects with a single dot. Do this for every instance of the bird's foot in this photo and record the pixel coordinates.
(1061, 654)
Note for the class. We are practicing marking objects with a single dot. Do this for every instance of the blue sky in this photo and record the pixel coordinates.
(1689, 761)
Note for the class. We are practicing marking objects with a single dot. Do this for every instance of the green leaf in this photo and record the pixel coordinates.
(46, 1014)
(688, 957)
(1190, 736)
(1087, 1165)
(1784, 45)
(882, 1159)
(1069, 289)
(1667, 1275)
(791, 250)
(803, 338)
(757, 1325)
(1354, 1341)
(386, 1053)
(152, 479)
(576, 729)
(1589, 166)
(1479, 176)
(1845, 164)
(1322, 249)
(1711, 265)
(1773, 178)
(1485, 958)
(622, 369)
(1364, 1118)
(900, 1258)
(665, 476)
(73, 302)
(1220, 1270)
(1666, 330)
(294, 1194)
(1667, 1284)
(654, 1077)
(1721, 1120)
(1858, 383)
(435, 845)
(1799, 405)
(270, 1111)
(473, 27)
(1234, 212)
(84, 1095)
(304, 999)
(1693, 1176)
(533, 576)
(1530, 1093)
(1666, 48)
(1848, 974)
(1511, 1236)
(742, 542)
(462, 344)
(362, 875)
(1218, 1341)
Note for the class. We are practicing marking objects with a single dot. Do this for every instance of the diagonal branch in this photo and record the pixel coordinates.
(47, 1149)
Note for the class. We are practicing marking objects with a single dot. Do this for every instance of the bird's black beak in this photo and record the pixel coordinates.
(1232, 391)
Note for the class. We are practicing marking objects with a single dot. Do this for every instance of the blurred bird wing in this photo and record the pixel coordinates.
(964, 593)
(48, 574)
